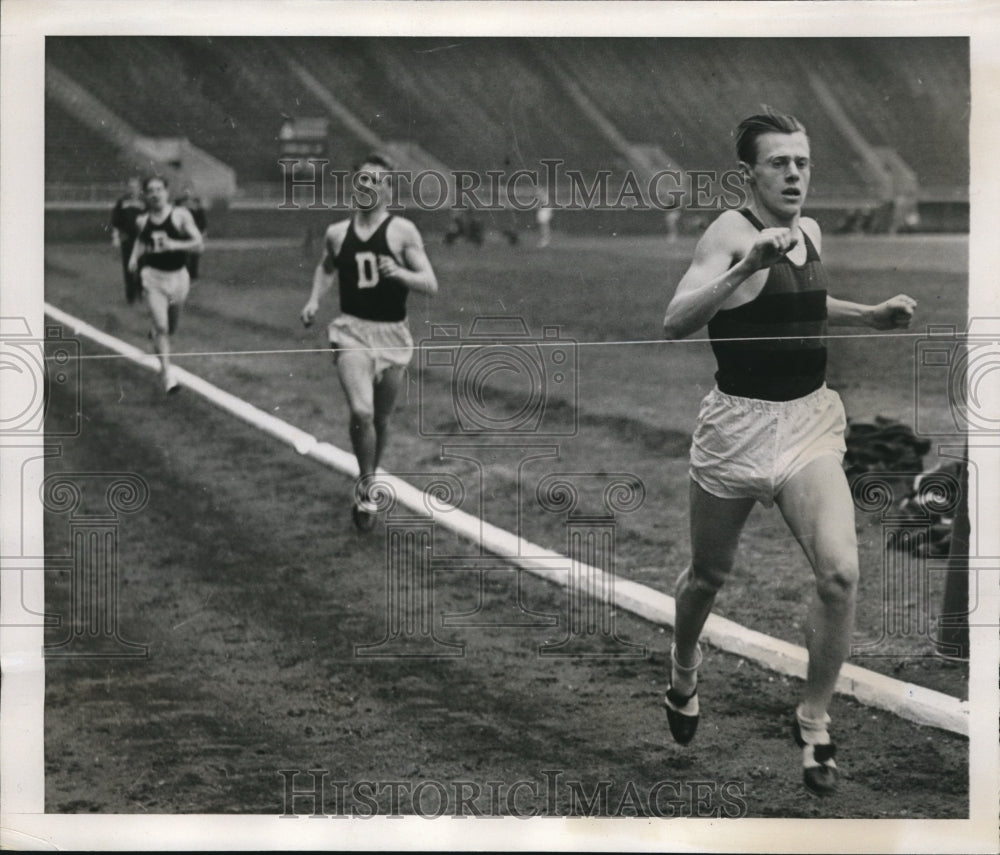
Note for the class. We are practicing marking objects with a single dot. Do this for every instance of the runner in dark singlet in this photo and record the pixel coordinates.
(363, 293)
(166, 234)
(377, 259)
(774, 347)
(771, 431)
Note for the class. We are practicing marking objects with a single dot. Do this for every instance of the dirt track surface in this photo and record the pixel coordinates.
(630, 410)
(251, 589)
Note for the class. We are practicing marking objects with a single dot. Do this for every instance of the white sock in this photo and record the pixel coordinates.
(814, 732)
(686, 676)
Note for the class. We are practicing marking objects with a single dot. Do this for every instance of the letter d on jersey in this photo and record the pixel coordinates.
(367, 269)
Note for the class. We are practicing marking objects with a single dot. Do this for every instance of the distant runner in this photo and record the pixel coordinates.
(166, 234)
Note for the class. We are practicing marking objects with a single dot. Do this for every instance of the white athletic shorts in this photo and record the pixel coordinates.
(388, 343)
(168, 287)
(749, 448)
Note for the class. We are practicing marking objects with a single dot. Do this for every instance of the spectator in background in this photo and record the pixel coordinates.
(464, 225)
(543, 217)
(193, 204)
(673, 220)
(123, 233)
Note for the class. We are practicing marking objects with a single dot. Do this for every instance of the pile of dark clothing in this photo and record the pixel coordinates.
(934, 497)
(891, 447)
(884, 445)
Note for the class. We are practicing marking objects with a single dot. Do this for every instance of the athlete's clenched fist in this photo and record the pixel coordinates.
(770, 247)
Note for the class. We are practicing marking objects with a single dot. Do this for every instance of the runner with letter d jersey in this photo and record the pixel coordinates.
(377, 259)
(363, 292)
(166, 235)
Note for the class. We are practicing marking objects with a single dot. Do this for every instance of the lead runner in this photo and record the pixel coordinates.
(377, 258)
(771, 431)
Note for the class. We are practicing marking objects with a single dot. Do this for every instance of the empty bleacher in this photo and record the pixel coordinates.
(74, 154)
(228, 96)
(493, 103)
(475, 103)
(912, 95)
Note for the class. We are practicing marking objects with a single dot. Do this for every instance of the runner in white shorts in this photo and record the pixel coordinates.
(166, 234)
(750, 448)
(377, 259)
(771, 431)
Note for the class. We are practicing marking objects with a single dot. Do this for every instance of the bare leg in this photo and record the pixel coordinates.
(173, 317)
(159, 315)
(816, 503)
(386, 392)
(356, 373)
(715, 531)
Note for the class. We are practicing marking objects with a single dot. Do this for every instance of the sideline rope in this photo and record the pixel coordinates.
(465, 344)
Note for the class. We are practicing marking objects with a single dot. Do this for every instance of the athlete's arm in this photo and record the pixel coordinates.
(713, 277)
(185, 222)
(322, 282)
(137, 247)
(324, 275)
(416, 272)
(891, 314)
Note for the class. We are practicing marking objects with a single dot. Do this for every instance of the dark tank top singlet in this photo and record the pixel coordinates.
(774, 347)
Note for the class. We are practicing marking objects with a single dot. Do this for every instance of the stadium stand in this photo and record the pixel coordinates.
(697, 90)
(885, 86)
(75, 155)
(491, 103)
(220, 94)
(474, 103)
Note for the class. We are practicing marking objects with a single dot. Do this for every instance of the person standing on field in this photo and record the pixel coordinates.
(771, 431)
(377, 259)
(124, 214)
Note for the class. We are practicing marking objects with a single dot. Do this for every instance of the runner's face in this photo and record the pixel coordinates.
(779, 180)
(370, 186)
(156, 195)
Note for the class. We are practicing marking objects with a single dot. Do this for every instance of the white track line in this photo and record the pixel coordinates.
(916, 703)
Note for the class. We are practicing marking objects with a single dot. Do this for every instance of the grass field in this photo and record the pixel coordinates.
(266, 539)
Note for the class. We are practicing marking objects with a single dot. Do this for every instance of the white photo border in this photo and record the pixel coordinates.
(26, 23)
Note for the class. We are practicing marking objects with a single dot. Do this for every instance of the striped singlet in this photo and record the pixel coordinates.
(774, 347)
